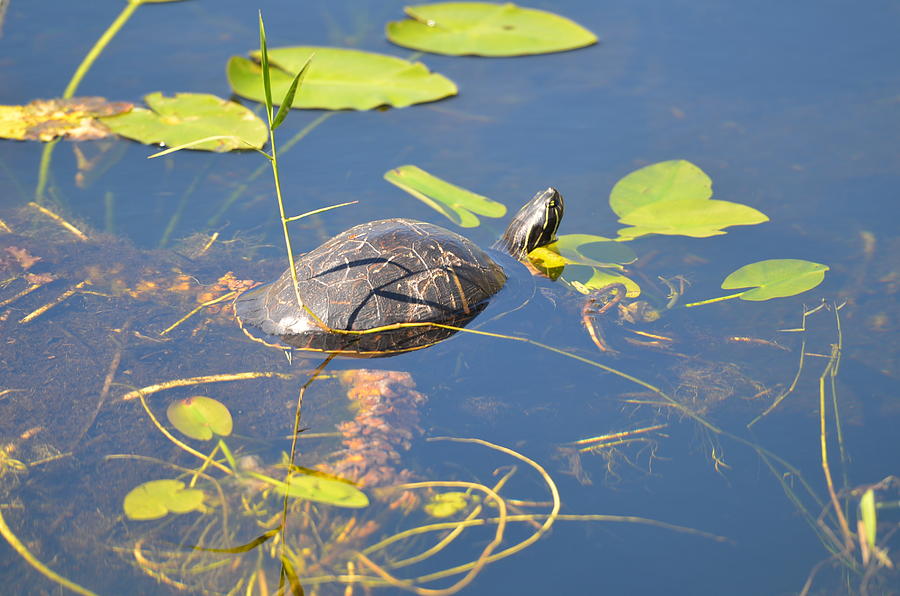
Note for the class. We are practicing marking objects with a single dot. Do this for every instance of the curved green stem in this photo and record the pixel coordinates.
(74, 82)
(23, 551)
(99, 46)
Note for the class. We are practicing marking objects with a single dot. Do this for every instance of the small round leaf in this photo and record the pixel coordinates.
(157, 498)
(200, 417)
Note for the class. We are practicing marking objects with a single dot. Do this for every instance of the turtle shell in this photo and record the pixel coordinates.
(373, 275)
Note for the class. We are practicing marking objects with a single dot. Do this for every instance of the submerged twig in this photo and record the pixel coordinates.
(157, 387)
(60, 220)
(195, 310)
(55, 302)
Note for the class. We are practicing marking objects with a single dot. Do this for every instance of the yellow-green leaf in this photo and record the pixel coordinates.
(158, 498)
(187, 117)
(453, 202)
(200, 417)
(869, 517)
(588, 249)
(340, 79)
(319, 486)
(776, 278)
(673, 180)
(447, 504)
(697, 218)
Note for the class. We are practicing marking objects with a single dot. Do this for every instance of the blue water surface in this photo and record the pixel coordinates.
(791, 108)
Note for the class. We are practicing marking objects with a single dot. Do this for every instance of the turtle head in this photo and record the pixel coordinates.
(534, 225)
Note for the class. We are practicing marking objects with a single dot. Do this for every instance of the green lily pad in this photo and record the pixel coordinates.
(323, 488)
(447, 504)
(456, 204)
(591, 262)
(158, 498)
(588, 249)
(588, 279)
(486, 29)
(200, 417)
(697, 218)
(187, 117)
(664, 181)
(340, 79)
(776, 278)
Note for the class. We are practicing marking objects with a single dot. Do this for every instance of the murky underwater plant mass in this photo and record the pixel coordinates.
(692, 391)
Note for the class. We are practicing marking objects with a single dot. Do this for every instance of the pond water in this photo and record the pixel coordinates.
(790, 108)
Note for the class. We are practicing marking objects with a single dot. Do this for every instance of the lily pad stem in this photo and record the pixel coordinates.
(719, 299)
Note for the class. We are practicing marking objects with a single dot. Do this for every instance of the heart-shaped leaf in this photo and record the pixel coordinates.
(187, 117)
(339, 79)
(588, 249)
(697, 218)
(486, 29)
(664, 181)
(776, 278)
(456, 204)
(200, 417)
(158, 498)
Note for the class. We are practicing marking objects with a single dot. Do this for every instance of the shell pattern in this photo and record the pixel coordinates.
(377, 274)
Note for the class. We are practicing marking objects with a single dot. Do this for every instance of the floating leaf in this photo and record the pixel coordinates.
(456, 204)
(340, 79)
(157, 498)
(588, 249)
(200, 417)
(486, 29)
(187, 117)
(776, 278)
(323, 489)
(589, 279)
(47, 119)
(697, 218)
(664, 181)
(547, 262)
(590, 262)
(447, 504)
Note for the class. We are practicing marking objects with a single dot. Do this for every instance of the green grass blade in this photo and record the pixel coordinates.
(264, 64)
(198, 142)
(288, 100)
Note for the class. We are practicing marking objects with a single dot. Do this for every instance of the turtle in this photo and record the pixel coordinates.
(390, 272)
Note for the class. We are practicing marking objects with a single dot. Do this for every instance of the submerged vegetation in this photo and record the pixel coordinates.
(221, 496)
